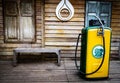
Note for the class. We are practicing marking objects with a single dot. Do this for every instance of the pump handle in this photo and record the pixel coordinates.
(99, 21)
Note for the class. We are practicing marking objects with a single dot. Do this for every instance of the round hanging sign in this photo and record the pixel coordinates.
(98, 51)
(66, 8)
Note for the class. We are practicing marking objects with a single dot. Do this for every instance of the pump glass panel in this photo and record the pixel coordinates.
(101, 9)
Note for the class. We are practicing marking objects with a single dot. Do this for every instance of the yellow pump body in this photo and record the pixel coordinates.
(92, 51)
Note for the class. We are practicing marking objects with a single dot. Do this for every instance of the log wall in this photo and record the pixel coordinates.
(115, 25)
(63, 34)
(53, 33)
(60, 34)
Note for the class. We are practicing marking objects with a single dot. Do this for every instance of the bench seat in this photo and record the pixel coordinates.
(35, 50)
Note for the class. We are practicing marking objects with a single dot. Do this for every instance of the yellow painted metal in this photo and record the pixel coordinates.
(93, 63)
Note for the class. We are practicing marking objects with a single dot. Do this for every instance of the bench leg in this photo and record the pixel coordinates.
(59, 58)
(14, 59)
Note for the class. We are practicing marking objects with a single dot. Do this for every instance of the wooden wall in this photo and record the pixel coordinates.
(60, 34)
(53, 33)
(115, 25)
(63, 34)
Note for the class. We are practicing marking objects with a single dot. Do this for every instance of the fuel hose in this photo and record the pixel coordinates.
(78, 67)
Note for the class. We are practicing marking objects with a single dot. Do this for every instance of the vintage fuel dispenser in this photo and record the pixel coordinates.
(95, 50)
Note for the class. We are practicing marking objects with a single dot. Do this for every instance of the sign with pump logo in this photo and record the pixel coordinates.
(98, 51)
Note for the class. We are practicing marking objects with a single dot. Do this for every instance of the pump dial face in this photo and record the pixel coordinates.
(98, 51)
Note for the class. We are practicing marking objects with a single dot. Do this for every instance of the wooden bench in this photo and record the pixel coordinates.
(35, 50)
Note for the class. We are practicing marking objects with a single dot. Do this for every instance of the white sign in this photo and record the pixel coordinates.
(64, 5)
(98, 51)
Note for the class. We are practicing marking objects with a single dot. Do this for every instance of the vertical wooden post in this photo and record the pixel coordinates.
(14, 58)
(119, 51)
(42, 22)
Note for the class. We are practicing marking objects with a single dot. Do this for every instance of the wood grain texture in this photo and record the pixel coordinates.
(50, 32)
(48, 72)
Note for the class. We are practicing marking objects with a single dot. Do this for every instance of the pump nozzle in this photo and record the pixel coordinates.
(102, 26)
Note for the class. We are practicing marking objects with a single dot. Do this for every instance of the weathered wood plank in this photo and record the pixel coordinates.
(63, 31)
(61, 47)
(76, 24)
(61, 39)
(76, 10)
(119, 50)
(80, 15)
(64, 27)
(61, 43)
(72, 1)
(61, 35)
(115, 36)
(115, 24)
(6, 53)
(56, 19)
(76, 6)
(116, 32)
(6, 49)
(8, 45)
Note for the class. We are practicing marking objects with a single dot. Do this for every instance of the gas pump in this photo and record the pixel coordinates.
(95, 50)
